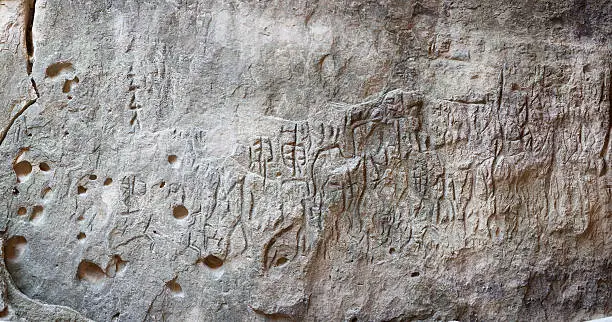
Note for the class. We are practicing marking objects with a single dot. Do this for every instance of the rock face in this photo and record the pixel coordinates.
(305, 160)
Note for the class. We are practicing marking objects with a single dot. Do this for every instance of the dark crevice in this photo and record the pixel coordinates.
(30, 10)
(35, 87)
(14, 118)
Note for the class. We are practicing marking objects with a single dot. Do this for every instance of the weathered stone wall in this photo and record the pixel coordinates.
(306, 160)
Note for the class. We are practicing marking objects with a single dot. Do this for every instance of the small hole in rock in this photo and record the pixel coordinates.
(68, 85)
(55, 69)
(22, 170)
(81, 190)
(281, 261)
(115, 265)
(392, 250)
(43, 166)
(174, 287)
(14, 248)
(81, 236)
(15, 191)
(108, 181)
(22, 211)
(93, 177)
(180, 212)
(45, 191)
(211, 261)
(172, 158)
(162, 184)
(36, 212)
(415, 274)
(90, 272)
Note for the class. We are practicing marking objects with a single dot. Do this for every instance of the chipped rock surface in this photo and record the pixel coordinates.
(310, 160)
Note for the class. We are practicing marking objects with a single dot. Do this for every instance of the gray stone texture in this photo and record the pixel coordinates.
(244, 160)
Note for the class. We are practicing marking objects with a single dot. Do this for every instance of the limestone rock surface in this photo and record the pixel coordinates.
(242, 160)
